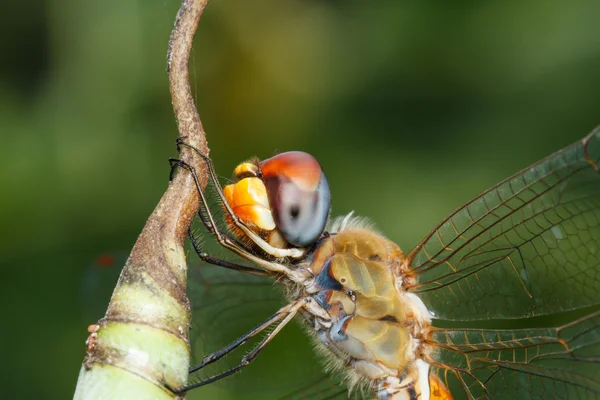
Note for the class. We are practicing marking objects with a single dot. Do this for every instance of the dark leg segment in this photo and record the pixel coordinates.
(223, 263)
(281, 318)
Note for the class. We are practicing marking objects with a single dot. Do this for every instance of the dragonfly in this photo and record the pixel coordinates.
(500, 300)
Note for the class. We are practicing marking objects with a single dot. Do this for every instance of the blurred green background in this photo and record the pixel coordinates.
(412, 108)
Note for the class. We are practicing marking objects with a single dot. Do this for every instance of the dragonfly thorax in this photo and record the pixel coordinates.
(375, 326)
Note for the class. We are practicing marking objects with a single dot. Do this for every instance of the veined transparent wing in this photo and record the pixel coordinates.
(529, 246)
(534, 363)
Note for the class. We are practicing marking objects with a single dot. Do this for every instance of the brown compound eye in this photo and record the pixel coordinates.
(298, 195)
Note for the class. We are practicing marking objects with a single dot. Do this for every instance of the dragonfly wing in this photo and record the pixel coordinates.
(327, 387)
(535, 363)
(226, 304)
(528, 246)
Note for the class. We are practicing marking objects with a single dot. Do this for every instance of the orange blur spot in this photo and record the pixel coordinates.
(299, 167)
(105, 260)
(438, 391)
(248, 200)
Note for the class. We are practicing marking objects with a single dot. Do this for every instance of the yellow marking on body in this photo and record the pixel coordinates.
(437, 390)
(246, 169)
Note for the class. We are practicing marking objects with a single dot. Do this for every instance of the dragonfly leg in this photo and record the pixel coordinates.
(280, 319)
(260, 242)
(207, 220)
(231, 244)
(223, 263)
(173, 162)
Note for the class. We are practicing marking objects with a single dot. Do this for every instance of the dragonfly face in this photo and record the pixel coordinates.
(284, 199)
(463, 315)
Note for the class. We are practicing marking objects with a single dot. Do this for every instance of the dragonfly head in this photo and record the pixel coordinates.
(285, 198)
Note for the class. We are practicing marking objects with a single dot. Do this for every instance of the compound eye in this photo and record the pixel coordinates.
(298, 195)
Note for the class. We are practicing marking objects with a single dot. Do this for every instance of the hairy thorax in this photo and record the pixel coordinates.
(376, 328)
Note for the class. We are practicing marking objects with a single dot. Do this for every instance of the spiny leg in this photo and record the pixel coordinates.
(223, 263)
(208, 221)
(296, 275)
(217, 355)
(281, 318)
(260, 242)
